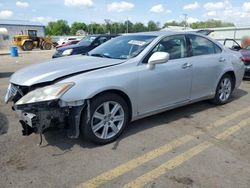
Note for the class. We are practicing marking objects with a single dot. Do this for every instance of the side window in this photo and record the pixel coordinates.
(32, 33)
(203, 46)
(217, 49)
(102, 40)
(174, 45)
(112, 37)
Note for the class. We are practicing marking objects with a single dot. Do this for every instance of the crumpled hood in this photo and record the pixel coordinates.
(57, 68)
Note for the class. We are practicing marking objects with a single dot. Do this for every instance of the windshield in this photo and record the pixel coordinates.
(87, 40)
(123, 47)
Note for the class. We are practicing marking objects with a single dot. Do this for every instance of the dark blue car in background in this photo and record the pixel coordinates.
(84, 46)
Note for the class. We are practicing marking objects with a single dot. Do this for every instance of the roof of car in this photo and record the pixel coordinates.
(103, 35)
(161, 33)
(150, 33)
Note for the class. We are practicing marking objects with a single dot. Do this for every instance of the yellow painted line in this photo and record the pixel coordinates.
(169, 165)
(122, 169)
(134, 163)
(228, 118)
(233, 129)
(178, 160)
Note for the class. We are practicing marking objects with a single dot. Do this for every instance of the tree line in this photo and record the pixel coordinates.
(61, 27)
(201, 24)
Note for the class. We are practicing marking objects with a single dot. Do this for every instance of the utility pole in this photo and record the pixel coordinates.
(127, 24)
(108, 25)
(185, 18)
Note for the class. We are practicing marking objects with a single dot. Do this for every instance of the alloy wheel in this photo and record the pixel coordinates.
(107, 120)
(225, 89)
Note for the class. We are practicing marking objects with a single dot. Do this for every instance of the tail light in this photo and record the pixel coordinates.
(245, 60)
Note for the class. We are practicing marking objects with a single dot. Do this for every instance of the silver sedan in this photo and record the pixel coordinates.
(125, 79)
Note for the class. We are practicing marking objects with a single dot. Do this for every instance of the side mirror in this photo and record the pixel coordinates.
(236, 47)
(96, 44)
(157, 58)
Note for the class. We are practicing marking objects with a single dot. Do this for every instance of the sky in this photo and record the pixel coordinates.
(88, 11)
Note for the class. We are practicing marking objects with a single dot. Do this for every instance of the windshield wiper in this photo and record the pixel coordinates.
(100, 55)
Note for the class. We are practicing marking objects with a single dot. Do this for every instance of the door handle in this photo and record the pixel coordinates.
(187, 65)
(222, 59)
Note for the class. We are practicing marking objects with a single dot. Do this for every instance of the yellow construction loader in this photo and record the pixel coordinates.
(30, 40)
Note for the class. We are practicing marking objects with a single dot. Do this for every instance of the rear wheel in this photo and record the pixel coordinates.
(224, 90)
(28, 46)
(107, 118)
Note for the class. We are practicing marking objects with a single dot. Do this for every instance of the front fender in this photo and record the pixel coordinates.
(89, 84)
(26, 40)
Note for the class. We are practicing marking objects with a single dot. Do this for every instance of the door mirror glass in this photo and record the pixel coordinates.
(157, 58)
(236, 47)
(96, 44)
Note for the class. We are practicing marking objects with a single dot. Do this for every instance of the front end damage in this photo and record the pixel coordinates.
(37, 117)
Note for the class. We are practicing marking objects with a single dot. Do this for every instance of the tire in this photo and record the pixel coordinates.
(47, 46)
(224, 90)
(101, 127)
(28, 46)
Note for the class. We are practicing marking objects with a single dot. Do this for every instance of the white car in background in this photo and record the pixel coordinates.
(64, 40)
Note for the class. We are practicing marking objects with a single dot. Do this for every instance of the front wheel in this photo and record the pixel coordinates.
(28, 46)
(224, 90)
(107, 118)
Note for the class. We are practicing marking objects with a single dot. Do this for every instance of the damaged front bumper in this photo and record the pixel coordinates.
(37, 117)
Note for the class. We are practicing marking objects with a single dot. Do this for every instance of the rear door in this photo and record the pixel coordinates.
(208, 62)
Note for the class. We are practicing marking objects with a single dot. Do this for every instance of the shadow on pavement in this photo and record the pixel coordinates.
(5, 74)
(58, 138)
(238, 94)
(246, 80)
(3, 124)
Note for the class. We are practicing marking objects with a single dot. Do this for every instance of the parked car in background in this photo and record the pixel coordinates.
(84, 46)
(64, 40)
(246, 59)
(124, 79)
(57, 40)
(245, 52)
(68, 43)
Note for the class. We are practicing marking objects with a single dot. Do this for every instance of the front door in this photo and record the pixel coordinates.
(169, 83)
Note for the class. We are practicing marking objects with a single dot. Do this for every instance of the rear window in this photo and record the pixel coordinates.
(203, 46)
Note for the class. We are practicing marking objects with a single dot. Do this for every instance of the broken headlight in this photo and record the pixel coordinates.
(47, 93)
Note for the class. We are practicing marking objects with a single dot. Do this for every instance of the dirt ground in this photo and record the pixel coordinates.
(199, 145)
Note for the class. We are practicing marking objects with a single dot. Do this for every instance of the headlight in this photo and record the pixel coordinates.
(67, 52)
(47, 93)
